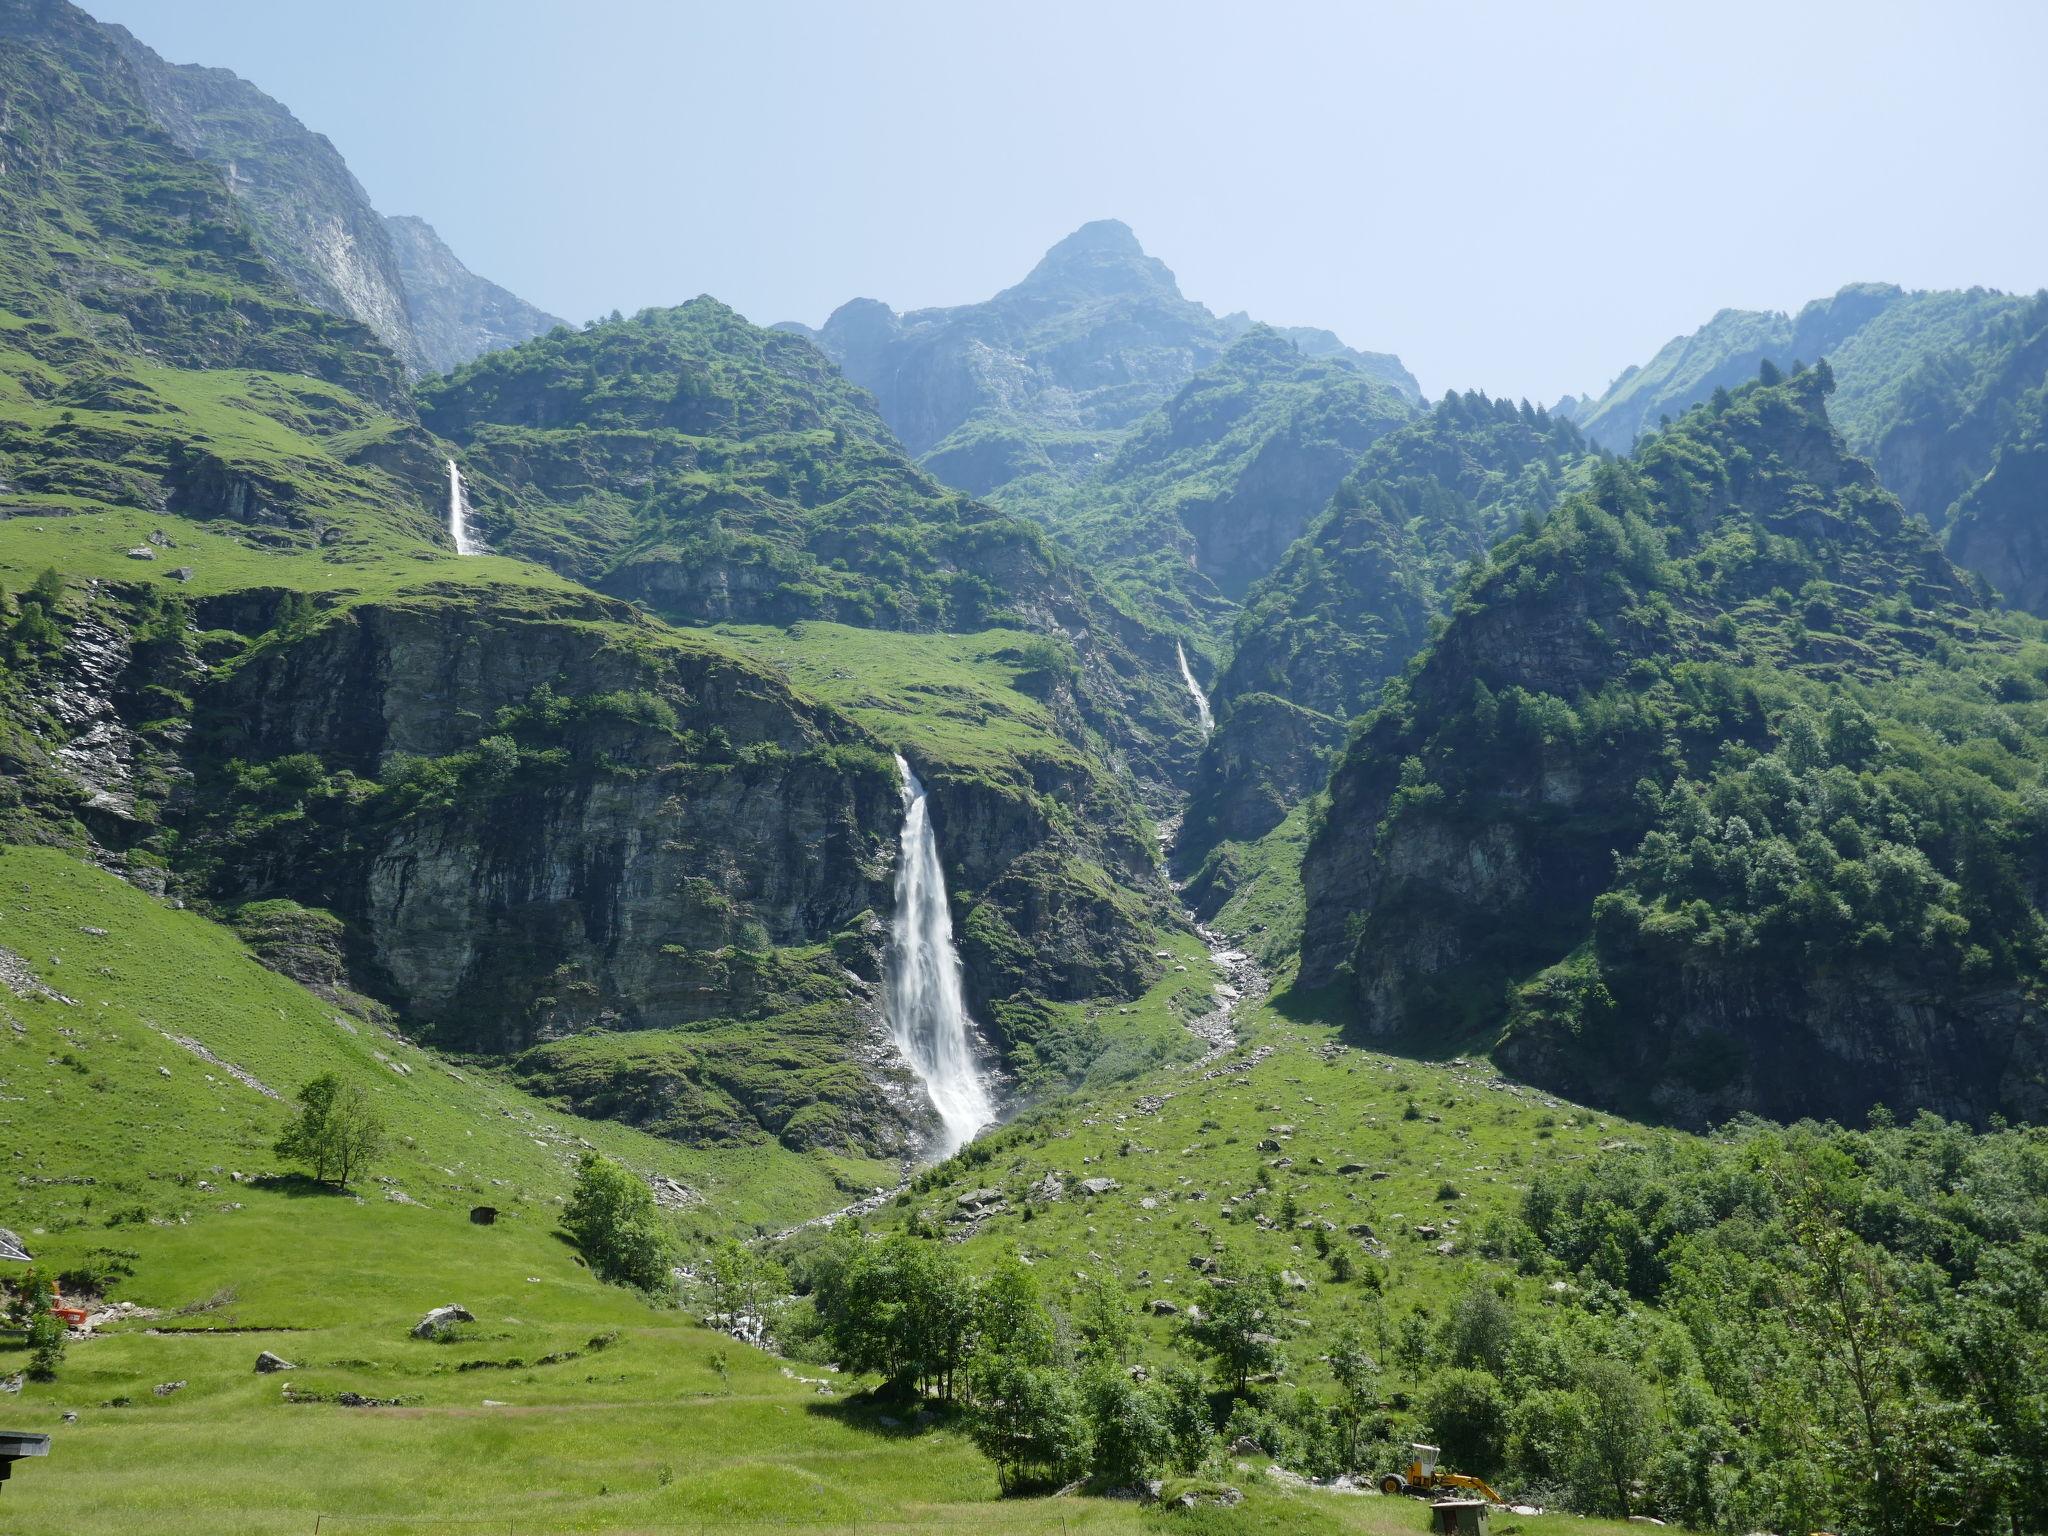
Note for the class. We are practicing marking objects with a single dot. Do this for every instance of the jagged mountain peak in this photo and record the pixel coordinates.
(1101, 259)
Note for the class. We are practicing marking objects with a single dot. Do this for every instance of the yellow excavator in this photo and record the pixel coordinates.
(1422, 1479)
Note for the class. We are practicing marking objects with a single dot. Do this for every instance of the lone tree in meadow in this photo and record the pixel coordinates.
(613, 1220)
(337, 1130)
(1240, 1332)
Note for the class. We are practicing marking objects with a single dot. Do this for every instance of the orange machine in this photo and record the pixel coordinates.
(1421, 1477)
(74, 1317)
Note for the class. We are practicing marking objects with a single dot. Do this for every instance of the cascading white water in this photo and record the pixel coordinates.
(927, 1013)
(1195, 691)
(458, 512)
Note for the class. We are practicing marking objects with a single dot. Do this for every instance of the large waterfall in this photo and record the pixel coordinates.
(927, 1013)
(458, 512)
(1195, 691)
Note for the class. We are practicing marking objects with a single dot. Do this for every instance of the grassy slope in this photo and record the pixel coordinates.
(1485, 1137)
(639, 1435)
(945, 698)
(96, 1088)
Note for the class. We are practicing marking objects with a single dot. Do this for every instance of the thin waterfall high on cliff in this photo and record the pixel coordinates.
(927, 1013)
(458, 512)
(1195, 691)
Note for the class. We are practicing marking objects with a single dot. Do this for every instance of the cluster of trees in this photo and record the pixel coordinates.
(337, 1131)
(25, 1306)
(1804, 1328)
(615, 1224)
(1779, 1329)
(33, 632)
(1050, 1393)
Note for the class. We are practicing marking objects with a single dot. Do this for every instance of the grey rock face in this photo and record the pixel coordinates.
(454, 314)
(598, 899)
(312, 217)
(316, 224)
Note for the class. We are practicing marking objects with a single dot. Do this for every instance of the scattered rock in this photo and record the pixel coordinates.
(165, 1389)
(1350, 1168)
(1097, 1186)
(1158, 1306)
(1226, 1496)
(440, 1320)
(672, 1196)
(1292, 1281)
(11, 1383)
(267, 1363)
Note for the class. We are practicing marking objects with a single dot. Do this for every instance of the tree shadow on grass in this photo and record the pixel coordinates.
(892, 1416)
(297, 1186)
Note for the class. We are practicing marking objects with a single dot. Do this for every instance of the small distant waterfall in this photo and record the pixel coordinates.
(1195, 691)
(927, 1014)
(458, 512)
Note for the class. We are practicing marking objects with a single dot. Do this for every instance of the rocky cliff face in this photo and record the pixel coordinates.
(1999, 527)
(316, 225)
(312, 216)
(454, 315)
(645, 869)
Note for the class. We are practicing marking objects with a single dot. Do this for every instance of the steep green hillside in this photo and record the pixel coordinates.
(1965, 451)
(1353, 600)
(1875, 335)
(1206, 493)
(1736, 667)
(716, 472)
(148, 1055)
(140, 250)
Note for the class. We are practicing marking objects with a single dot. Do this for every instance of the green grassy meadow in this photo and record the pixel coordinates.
(570, 1405)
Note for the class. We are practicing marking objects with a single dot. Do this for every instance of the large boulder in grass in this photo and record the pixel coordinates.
(440, 1320)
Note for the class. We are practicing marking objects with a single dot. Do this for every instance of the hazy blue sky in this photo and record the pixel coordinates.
(1519, 197)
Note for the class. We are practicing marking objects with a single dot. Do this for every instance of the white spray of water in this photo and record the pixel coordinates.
(927, 1014)
(458, 512)
(1195, 691)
